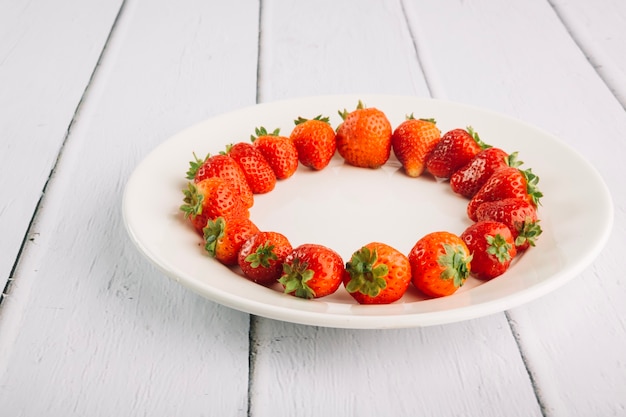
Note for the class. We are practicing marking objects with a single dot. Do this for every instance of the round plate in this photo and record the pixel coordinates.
(344, 208)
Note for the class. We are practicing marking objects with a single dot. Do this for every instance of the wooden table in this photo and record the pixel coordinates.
(89, 327)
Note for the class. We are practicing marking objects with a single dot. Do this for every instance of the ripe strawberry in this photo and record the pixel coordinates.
(455, 149)
(492, 247)
(257, 170)
(315, 141)
(519, 215)
(209, 199)
(224, 237)
(377, 274)
(468, 180)
(506, 183)
(364, 137)
(261, 257)
(279, 151)
(312, 271)
(225, 167)
(412, 141)
(440, 263)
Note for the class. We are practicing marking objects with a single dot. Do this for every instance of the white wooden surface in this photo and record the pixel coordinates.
(89, 327)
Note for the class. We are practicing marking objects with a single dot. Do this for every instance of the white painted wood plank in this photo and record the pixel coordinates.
(471, 368)
(48, 51)
(91, 328)
(598, 27)
(573, 340)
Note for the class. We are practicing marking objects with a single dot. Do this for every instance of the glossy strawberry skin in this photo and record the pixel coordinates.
(257, 170)
(467, 180)
(227, 168)
(279, 151)
(506, 182)
(362, 274)
(209, 199)
(440, 263)
(492, 247)
(261, 257)
(412, 142)
(364, 138)
(518, 214)
(312, 271)
(315, 141)
(455, 149)
(225, 237)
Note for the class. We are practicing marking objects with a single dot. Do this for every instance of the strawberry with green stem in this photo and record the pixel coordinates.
(315, 141)
(492, 247)
(279, 151)
(261, 257)
(455, 149)
(413, 141)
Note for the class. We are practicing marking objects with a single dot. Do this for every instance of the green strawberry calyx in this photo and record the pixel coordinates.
(455, 263)
(343, 114)
(364, 277)
(319, 117)
(532, 188)
(529, 231)
(412, 117)
(512, 161)
(262, 256)
(498, 246)
(213, 232)
(195, 165)
(193, 201)
(295, 277)
(261, 131)
(477, 138)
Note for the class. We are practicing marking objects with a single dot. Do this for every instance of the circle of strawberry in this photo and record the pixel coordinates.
(412, 141)
(440, 263)
(315, 141)
(261, 257)
(279, 151)
(364, 137)
(312, 271)
(377, 274)
(492, 247)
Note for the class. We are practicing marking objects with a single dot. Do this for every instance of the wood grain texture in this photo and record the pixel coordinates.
(548, 81)
(47, 55)
(91, 327)
(473, 368)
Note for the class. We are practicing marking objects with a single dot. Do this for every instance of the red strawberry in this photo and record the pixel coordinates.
(261, 257)
(377, 274)
(455, 149)
(279, 151)
(519, 215)
(364, 137)
(492, 247)
(315, 141)
(468, 180)
(209, 199)
(224, 237)
(312, 271)
(225, 167)
(506, 183)
(257, 170)
(412, 141)
(440, 264)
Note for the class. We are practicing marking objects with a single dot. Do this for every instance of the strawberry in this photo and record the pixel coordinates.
(412, 141)
(506, 183)
(315, 141)
(225, 167)
(492, 247)
(455, 149)
(224, 237)
(377, 274)
(468, 180)
(279, 151)
(440, 263)
(312, 271)
(519, 215)
(257, 170)
(261, 257)
(209, 199)
(364, 137)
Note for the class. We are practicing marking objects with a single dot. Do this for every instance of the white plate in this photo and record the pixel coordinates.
(345, 207)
